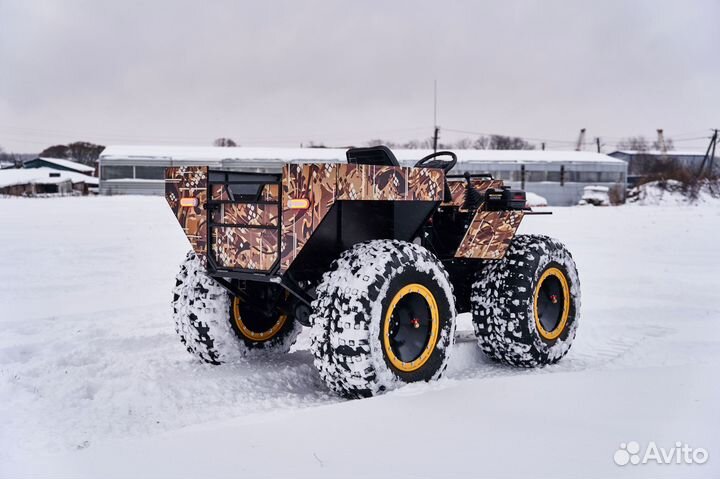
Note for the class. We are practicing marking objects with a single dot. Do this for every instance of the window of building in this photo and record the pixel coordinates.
(535, 176)
(115, 172)
(587, 176)
(503, 175)
(150, 172)
(610, 176)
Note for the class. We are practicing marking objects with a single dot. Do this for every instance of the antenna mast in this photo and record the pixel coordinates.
(435, 123)
(581, 140)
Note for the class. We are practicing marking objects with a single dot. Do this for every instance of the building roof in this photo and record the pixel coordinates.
(72, 165)
(659, 153)
(42, 176)
(217, 154)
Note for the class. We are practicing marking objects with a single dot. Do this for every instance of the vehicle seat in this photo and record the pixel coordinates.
(374, 155)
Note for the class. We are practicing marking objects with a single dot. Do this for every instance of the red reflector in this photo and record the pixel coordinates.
(519, 196)
(188, 202)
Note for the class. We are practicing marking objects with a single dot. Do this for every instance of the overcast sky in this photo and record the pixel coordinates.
(284, 73)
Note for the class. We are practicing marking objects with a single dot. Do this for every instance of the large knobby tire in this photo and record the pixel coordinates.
(204, 320)
(384, 316)
(526, 307)
(258, 323)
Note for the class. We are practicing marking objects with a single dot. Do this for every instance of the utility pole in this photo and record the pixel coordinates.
(597, 142)
(712, 155)
(709, 154)
(435, 139)
(661, 144)
(581, 140)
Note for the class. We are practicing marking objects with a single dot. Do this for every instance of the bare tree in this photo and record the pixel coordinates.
(81, 151)
(56, 151)
(668, 145)
(481, 143)
(224, 142)
(381, 142)
(412, 144)
(464, 144)
(634, 143)
(85, 152)
(500, 142)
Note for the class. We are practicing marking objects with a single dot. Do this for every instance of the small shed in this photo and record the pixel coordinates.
(60, 164)
(44, 181)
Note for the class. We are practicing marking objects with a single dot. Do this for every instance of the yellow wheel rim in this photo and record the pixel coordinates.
(557, 331)
(419, 361)
(255, 335)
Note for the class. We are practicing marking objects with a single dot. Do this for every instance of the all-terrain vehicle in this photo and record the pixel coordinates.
(377, 258)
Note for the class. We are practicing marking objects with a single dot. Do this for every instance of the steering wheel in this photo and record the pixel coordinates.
(445, 165)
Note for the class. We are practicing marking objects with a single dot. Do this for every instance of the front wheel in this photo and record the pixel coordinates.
(383, 317)
(526, 307)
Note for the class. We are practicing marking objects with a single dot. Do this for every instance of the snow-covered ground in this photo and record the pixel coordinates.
(94, 383)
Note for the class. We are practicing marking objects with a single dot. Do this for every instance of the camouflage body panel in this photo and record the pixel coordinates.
(269, 193)
(389, 183)
(457, 189)
(245, 248)
(250, 214)
(189, 182)
(489, 234)
(256, 247)
(323, 184)
(220, 193)
(317, 184)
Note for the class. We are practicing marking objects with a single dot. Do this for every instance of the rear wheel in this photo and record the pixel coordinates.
(383, 317)
(217, 328)
(526, 306)
(261, 320)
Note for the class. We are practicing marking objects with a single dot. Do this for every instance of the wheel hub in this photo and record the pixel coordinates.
(411, 328)
(551, 303)
(254, 324)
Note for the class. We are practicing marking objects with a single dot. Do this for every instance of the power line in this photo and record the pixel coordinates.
(547, 140)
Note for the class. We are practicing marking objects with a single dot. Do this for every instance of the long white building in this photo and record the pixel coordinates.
(559, 176)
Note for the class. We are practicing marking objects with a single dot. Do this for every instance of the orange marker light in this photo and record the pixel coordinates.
(189, 202)
(298, 204)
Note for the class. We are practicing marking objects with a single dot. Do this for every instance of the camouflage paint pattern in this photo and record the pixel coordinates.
(269, 193)
(457, 189)
(246, 248)
(323, 184)
(246, 214)
(390, 183)
(316, 183)
(189, 182)
(489, 234)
